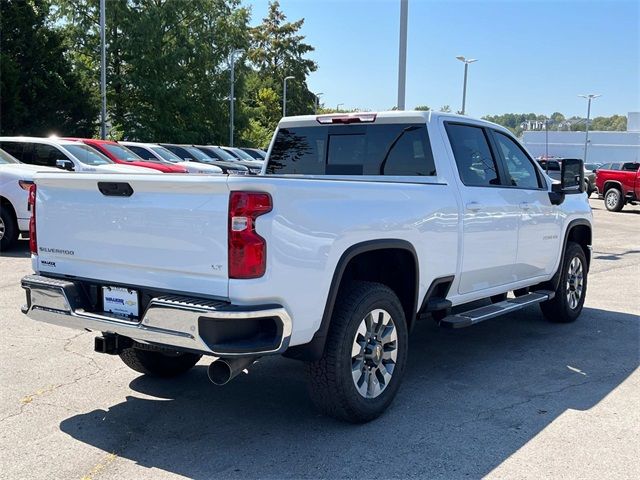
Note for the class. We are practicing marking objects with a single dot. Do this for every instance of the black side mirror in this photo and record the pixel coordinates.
(572, 176)
(65, 164)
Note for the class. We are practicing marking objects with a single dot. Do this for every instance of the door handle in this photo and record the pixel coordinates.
(525, 205)
(474, 206)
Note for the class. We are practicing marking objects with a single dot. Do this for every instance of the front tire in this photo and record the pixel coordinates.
(567, 304)
(158, 363)
(8, 229)
(365, 354)
(613, 200)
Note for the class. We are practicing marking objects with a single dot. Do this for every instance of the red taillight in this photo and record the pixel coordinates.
(247, 249)
(33, 241)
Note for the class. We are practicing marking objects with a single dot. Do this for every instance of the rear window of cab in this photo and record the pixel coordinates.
(391, 149)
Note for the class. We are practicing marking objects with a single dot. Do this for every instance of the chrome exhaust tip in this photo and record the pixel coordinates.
(223, 370)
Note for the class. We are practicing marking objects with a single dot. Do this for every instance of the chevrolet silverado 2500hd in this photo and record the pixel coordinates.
(358, 226)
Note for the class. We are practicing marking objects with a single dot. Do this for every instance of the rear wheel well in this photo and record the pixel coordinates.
(5, 203)
(581, 234)
(393, 267)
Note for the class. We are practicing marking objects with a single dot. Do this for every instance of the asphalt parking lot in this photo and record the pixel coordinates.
(514, 397)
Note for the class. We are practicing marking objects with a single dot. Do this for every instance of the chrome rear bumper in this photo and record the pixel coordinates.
(207, 326)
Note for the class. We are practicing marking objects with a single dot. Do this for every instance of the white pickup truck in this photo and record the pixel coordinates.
(358, 226)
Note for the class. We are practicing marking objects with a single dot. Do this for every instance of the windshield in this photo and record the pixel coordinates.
(243, 155)
(223, 154)
(6, 158)
(167, 155)
(86, 155)
(121, 153)
(198, 154)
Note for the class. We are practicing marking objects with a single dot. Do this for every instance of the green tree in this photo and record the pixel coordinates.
(40, 90)
(277, 50)
(422, 108)
(168, 71)
(445, 109)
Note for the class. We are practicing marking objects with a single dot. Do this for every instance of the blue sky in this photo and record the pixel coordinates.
(534, 56)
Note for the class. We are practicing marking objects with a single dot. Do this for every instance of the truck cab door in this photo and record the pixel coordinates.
(490, 224)
(540, 223)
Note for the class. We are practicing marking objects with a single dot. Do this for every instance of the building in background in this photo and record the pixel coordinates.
(603, 146)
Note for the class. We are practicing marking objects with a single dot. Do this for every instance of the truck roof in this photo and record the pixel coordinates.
(393, 116)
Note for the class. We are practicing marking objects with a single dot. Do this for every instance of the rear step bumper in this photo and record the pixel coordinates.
(210, 327)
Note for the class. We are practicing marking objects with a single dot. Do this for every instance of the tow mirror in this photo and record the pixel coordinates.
(65, 164)
(572, 176)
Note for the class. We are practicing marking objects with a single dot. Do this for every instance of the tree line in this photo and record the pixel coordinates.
(519, 122)
(168, 69)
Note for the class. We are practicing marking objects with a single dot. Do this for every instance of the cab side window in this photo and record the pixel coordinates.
(474, 159)
(520, 168)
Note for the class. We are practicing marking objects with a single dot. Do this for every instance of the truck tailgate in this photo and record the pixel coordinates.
(170, 233)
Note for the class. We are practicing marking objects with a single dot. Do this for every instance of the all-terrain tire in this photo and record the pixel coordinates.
(613, 200)
(331, 380)
(158, 363)
(8, 228)
(567, 304)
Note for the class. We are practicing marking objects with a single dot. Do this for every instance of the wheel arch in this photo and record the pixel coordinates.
(6, 203)
(366, 261)
(579, 231)
(610, 184)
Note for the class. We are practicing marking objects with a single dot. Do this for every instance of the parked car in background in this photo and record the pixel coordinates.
(153, 151)
(256, 153)
(121, 154)
(224, 159)
(254, 166)
(592, 167)
(619, 186)
(15, 180)
(552, 168)
(191, 153)
(63, 154)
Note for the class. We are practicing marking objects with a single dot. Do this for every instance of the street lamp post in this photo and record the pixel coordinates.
(232, 61)
(466, 62)
(317, 98)
(338, 107)
(103, 73)
(589, 97)
(402, 54)
(284, 95)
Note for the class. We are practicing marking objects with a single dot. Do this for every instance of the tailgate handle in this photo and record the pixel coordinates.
(115, 189)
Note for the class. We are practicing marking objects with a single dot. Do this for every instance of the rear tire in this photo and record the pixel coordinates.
(613, 200)
(8, 228)
(158, 363)
(365, 354)
(567, 304)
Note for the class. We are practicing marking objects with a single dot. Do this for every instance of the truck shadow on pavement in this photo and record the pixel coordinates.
(470, 399)
(20, 250)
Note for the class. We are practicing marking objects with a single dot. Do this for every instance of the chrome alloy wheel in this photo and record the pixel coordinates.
(374, 353)
(2, 228)
(612, 199)
(575, 283)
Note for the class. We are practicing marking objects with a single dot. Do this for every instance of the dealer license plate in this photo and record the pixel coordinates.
(120, 301)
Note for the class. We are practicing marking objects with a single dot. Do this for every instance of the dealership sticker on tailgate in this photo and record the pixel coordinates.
(120, 301)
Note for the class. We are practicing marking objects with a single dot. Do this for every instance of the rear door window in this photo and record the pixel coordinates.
(476, 165)
(391, 149)
(13, 148)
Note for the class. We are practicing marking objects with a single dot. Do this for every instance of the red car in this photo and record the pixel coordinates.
(619, 187)
(121, 154)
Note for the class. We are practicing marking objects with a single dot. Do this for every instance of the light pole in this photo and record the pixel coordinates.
(589, 97)
(284, 95)
(317, 97)
(466, 62)
(103, 73)
(338, 107)
(402, 54)
(232, 61)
